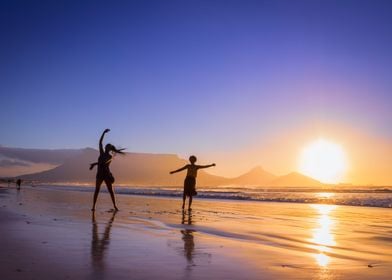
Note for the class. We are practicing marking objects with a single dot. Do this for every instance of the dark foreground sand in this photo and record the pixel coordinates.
(52, 234)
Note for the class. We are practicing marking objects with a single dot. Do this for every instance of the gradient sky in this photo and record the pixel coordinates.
(236, 82)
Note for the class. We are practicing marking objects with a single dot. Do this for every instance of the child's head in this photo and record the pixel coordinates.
(192, 159)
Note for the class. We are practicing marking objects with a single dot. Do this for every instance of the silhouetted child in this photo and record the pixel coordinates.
(190, 179)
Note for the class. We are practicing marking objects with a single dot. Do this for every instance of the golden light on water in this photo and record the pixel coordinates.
(323, 160)
(323, 237)
(325, 195)
(322, 259)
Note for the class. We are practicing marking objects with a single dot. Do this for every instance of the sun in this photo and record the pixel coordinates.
(324, 161)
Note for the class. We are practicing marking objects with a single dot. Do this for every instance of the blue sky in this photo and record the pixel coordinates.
(200, 76)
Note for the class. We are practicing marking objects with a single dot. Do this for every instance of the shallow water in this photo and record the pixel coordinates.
(354, 196)
(218, 238)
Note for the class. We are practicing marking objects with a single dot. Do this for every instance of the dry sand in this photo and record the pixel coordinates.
(52, 234)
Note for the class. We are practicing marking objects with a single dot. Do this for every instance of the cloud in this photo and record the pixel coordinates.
(13, 163)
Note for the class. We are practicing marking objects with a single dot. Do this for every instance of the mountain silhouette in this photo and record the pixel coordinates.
(137, 169)
(131, 168)
(295, 179)
(55, 156)
(256, 176)
(16, 161)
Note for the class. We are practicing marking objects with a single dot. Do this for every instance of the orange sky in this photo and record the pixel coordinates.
(369, 158)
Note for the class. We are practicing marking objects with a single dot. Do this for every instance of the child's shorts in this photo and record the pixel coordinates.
(190, 186)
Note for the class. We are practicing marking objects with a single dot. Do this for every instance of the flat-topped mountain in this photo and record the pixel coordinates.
(139, 169)
(131, 169)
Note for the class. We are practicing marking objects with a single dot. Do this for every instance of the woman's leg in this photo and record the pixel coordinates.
(110, 189)
(98, 184)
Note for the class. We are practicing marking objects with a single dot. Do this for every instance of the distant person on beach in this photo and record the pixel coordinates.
(18, 183)
(103, 172)
(190, 179)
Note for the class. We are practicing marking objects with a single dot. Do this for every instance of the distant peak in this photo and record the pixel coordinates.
(296, 179)
(257, 168)
(88, 149)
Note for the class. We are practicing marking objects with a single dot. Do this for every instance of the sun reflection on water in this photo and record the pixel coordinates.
(325, 195)
(323, 238)
(322, 259)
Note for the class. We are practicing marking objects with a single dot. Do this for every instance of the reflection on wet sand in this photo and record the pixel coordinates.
(323, 237)
(186, 218)
(187, 237)
(100, 244)
(18, 196)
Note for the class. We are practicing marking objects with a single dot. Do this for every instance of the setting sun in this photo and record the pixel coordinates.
(324, 161)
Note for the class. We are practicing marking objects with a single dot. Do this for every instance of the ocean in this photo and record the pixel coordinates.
(345, 195)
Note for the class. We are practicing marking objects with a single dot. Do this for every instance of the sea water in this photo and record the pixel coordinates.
(338, 195)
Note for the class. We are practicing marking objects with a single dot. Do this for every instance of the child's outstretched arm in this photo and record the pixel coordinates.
(178, 170)
(206, 166)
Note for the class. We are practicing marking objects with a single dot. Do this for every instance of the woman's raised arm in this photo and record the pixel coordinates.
(101, 139)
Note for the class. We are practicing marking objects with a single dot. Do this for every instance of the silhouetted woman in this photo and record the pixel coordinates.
(103, 172)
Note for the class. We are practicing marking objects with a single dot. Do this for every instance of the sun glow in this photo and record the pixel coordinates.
(324, 161)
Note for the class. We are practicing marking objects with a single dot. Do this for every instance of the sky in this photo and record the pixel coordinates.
(240, 83)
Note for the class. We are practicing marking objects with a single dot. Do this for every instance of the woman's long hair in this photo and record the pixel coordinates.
(110, 147)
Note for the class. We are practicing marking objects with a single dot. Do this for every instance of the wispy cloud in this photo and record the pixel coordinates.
(13, 163)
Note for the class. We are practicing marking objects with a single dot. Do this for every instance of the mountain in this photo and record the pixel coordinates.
(295, 179)
(139, 169)
(131, 168)
(256, 177)
(57, 156)
(73, 169)
(16, 161)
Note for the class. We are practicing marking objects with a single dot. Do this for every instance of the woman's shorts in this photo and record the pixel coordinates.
(107, 177)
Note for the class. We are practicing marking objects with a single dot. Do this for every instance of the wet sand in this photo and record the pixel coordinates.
(52, 234)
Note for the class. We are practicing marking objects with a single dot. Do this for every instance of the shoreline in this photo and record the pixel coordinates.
(151, 237)
(373, 199)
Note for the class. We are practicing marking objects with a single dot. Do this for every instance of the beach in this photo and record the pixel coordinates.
(52, 234)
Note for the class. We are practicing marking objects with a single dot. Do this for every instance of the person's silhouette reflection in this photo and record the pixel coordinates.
(100, 244)
(186, 218)
(187, 237)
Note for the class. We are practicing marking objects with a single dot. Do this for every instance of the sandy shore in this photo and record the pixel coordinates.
(52, 234)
